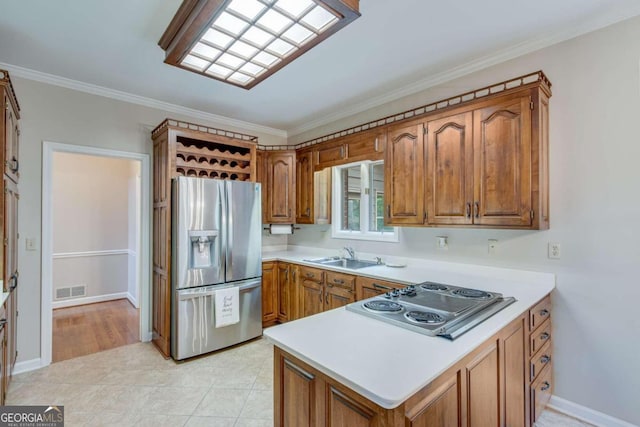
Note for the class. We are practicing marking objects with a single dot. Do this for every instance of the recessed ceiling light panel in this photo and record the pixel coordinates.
(242, 42)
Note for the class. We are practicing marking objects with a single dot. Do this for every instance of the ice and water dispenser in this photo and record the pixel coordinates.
(202, 248)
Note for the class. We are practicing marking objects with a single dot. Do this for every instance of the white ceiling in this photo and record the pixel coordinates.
(396, 46)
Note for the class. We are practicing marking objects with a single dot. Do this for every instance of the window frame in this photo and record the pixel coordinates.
(337, 208)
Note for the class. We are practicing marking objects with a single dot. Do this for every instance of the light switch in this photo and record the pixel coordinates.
(442, 243)
(30, 244)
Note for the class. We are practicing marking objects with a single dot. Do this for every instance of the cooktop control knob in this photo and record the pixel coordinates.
(392, 294)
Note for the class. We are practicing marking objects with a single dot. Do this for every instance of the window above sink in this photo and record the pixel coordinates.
(358, 203)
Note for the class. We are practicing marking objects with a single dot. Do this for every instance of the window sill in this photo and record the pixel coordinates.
(391, 237)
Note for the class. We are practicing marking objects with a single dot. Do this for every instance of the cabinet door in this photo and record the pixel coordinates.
(512, 349)
(262, 178)
(304, 188)
(284, 297)
(10, 234)
(328, 155)
(337, 297)
(366, 146)
(269, 293)
(322, 196)
(344, 410)
(311, 297)
(450, 170)
(442, 407)
(281, 208)
(404, 176)
(4, 385)
(12, 133)
(502, 157)
(483, 389)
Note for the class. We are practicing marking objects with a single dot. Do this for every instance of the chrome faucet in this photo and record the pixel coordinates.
(351, 252)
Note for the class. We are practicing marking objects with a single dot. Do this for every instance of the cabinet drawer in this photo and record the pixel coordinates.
(541, 392)
(345, 281)
(367, 287)
(312, 274)
(539, 313)
(541, 359)
(539, 337)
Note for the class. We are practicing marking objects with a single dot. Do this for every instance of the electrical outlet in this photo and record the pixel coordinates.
(492, 245)
(442, 243)
(554, 250)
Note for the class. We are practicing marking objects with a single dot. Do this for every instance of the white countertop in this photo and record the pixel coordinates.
(388, 364)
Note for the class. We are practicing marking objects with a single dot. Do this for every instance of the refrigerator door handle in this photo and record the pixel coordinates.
(226, 227)
(229, 227)
(183, 296)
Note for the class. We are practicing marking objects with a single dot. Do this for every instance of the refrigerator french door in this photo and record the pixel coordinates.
(216, 244)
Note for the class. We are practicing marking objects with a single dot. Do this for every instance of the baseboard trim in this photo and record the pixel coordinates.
(89, 300)
(27, 365)
(583, 413)
(132, 300)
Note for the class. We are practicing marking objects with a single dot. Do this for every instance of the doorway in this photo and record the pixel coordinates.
(95, 250)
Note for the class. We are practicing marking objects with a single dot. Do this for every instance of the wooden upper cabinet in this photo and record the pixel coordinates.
(281, 188)
(502, 155)
(366, 146)
(329, 154)
(450, 170)
(304, 188)
(12, 135)
(404, 175)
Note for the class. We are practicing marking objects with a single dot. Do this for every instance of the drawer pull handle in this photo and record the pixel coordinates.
(310, 275)
(377, 286)
(338, 281)
(468, 210)
(544, 336)
(329, 285)
(545, 359)
(545, 386)
(544, 312)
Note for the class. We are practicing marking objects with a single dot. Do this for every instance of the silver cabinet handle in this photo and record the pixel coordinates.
(468, 210)
(338, 281)
(544, 312)
(544, 336)
(545, 359)
(382, 287)
(476, 209)
(545, 386)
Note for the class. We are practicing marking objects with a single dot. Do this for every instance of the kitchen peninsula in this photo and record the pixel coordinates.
(384, 375)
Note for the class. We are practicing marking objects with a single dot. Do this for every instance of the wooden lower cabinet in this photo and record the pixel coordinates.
(269, 293)
(487, 388)
(311, 297)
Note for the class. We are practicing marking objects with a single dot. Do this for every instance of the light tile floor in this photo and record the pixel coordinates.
(135, 385)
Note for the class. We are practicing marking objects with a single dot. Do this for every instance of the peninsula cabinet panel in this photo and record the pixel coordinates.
(304, 188)
(344, 411)
(281, 187)
(296, 389)
(442, 407)
(502, 152)
(513, 353)
(450, 170)
(404, 175)
(269, 293)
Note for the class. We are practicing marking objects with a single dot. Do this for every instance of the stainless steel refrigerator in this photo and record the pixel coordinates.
(216, 242)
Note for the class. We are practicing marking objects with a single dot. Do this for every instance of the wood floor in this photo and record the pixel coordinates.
(87, 329)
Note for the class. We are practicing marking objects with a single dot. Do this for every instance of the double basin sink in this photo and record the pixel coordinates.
(353, 264)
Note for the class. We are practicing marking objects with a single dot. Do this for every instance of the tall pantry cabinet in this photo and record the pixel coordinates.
(9, 139)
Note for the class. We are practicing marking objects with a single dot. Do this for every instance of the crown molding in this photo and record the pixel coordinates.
(38, 76)
(487, 61)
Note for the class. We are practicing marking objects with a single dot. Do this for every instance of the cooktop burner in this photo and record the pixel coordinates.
(472, 293)
(424, 317)
(434, 287)
(383, 306)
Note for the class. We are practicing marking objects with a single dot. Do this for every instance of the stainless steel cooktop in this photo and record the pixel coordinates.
(433, 309)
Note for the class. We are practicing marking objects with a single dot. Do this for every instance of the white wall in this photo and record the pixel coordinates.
(51, 113)
(595, 212)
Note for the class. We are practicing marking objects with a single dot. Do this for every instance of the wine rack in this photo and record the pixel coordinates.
(213, 160)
